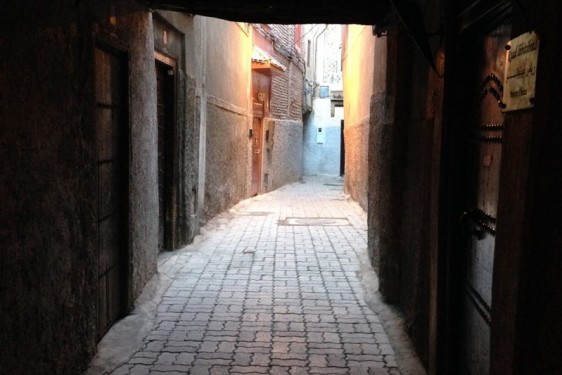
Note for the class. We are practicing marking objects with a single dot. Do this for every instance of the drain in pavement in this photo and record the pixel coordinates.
(315, 221)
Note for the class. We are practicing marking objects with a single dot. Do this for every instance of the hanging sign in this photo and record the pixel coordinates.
(521, 72)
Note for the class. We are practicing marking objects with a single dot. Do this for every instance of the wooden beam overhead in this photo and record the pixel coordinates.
(364, 12)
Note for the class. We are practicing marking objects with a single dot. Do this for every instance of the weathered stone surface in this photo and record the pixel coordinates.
(49, 183)
(283, 163)
(225, 183)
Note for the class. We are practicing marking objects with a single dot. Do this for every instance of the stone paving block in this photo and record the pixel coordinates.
(215, 355)
(226, 347)
(289, 338)
(181, 349)
(166, 358)
(390, 361)
(123, 369)
(289, 362)
(353, 348)
(247, 336)
(381, 338)
(366, 364)
(358, 338)
(209, 346)
(139, 370)
(318, 360)
(330, 337)
(200, 370)
(171, 368)
(185, 359)
(143, 354)
(328, 370)
(293, 305)
(279, 370)
(211, 362)
(336, 360)
(370, 349)
(365, 357)
(249, 370)
(386, 349)
(261, 359)
(242, 359)
(359, 371)
(299, 370)
(154, 346)
(253, 347)
(289, 356)
(219, 370)
(280, 347)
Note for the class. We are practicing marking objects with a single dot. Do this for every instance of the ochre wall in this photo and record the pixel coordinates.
(358, 60)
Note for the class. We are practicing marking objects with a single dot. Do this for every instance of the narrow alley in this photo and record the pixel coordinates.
(273, 286)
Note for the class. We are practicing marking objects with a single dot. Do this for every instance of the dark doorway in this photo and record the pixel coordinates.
(342, 150)
(112, 162)
(165, 102)
(256, 155)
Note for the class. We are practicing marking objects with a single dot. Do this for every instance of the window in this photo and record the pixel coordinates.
(308, 46)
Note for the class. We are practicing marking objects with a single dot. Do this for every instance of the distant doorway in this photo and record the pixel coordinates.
(165, 102)
(256, 156)
(342, 149)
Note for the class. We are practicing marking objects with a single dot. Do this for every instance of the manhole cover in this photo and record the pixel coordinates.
(315, 221)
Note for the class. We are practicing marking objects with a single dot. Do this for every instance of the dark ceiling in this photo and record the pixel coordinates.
(365, 12)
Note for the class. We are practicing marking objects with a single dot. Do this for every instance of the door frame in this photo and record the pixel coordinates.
(471, 22)
(259, 173)
(126, 271)
(170, 159)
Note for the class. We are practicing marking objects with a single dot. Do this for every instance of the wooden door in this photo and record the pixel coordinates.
(483, 148)
(256, 155)
(112, 162)
(165, 102)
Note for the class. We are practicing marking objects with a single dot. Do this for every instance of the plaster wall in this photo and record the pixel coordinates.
(322, 158)
(283, 162)
(228, 59)
(358, 87)
(226, 86)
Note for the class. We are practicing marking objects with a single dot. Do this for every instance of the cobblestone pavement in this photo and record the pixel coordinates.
(272, 288)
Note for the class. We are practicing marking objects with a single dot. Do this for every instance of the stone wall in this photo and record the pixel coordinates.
(227, 138)
(356, 162)
(403, 181)
(179, 30)
(49, 180)
(283, 162)
(225, 86)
